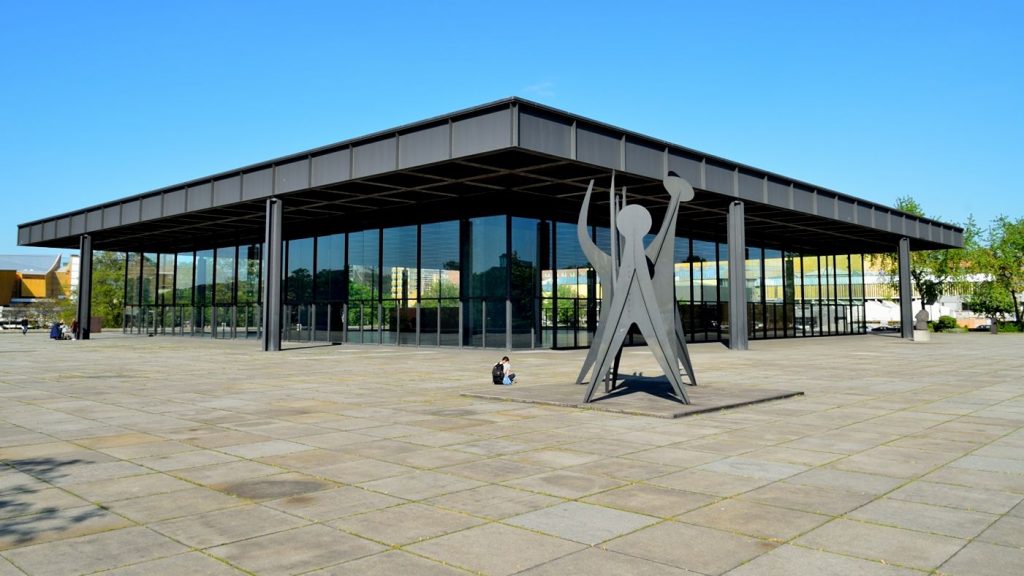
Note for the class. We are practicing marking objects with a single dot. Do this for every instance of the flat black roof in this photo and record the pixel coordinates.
(519, 156)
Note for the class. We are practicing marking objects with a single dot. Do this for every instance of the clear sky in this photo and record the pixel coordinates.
(877, 99)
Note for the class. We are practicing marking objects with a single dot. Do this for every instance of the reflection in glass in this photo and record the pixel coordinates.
(398, 288)
(439, 284)
(363, 286)
(487, 259)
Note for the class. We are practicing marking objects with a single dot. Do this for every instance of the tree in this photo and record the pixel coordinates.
(1003, 259)
(108, 287)
(931, 271)
(989, 299)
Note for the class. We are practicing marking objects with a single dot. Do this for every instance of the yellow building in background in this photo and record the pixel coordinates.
(26, 279)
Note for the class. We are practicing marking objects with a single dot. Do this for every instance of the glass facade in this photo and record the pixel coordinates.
(492, 281)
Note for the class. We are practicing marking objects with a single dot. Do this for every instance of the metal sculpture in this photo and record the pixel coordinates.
(638, 289)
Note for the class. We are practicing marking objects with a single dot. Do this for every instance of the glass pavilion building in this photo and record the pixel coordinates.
(461, 231)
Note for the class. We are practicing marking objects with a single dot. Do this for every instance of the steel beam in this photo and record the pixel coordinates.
(272, 260)
(84, 286)
(737, 277)
(906, 291)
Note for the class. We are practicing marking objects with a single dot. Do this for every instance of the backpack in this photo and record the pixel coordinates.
(497, 373)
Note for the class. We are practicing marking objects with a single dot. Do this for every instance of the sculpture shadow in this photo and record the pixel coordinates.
(656, 386)
(23, 520)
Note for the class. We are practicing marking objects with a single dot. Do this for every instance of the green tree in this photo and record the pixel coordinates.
(108, 287)
(438, 290)
(1002, 258)
(989, 299)
(932, 272)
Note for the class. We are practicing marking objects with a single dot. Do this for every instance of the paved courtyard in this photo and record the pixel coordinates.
(134, 455)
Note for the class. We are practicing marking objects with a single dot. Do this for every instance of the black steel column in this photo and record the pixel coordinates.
(906, 291)
(272, 278)
(84, 286)
(737, 277)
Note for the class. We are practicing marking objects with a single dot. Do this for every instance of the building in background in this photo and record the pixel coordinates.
(30, 285)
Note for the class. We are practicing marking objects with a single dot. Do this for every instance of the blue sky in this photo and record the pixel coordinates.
(100, 100)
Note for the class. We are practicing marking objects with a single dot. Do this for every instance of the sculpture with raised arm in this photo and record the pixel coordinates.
(638, 290)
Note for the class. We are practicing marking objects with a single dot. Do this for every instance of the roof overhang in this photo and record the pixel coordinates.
(510, 156)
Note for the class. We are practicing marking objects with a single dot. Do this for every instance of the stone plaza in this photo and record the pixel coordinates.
(134, 455)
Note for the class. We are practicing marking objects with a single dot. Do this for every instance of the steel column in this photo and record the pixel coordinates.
(272, 277)
(737, 277)
(906, 292)
(84, 286)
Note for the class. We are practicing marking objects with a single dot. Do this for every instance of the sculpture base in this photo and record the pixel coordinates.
(921, 336)
(640, 396)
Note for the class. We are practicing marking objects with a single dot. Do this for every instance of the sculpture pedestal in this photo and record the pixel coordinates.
(921, 336)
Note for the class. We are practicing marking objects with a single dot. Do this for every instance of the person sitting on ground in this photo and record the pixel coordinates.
(509, 376)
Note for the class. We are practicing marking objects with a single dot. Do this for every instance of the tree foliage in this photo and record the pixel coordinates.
(932, 272)
(1002, 257)
(108, 287)
(989, 299)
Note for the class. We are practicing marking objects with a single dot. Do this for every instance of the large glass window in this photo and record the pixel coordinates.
(330, 268)
(569, 290)
(148, 279)
(774, 294)
(754, 284)
(249, 274)
(398, 289)
(184, 265)
(299, 276)
(329, 281)
(133, 275)
(225, 290)
(705, 316)
(298, 293)
(439, 284)
(523, 275)
(487, 259)
(165, 279)
(364, 286)
(203, 312)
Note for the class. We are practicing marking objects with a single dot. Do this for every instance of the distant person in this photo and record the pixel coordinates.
(509, 376)
(24, 326)
(74, 329)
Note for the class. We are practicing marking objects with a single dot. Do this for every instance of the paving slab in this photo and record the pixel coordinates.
(223, 526)
(816, 499)
(694, 548)
(753, 519)
(393, 562)
(962, 497)
(420, 485)
(651, 500)
(93, 553)
(168, 505)
(295, 551)
(330, 504)
(191, 564)
(49, 524)
(598, 562)
(925, 517)
(1006, 531)
(984, 559)
(790, 560)
(495, 549)
(565, 484)
(579, 522)
(405, 524)
(493, 501)
(893, 545)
